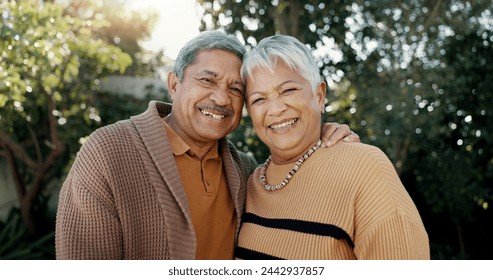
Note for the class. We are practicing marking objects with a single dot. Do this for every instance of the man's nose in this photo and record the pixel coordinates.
(220, 96)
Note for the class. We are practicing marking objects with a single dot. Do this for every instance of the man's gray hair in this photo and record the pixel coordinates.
(283, 48)
(207, 40)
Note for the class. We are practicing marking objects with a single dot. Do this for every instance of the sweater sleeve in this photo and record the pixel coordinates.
(87, 224)
(388, 224)
(248, 163)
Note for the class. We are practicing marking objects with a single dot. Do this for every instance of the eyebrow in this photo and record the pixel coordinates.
(208, 73)
(214, 74)
(276, 87)
(240, 83)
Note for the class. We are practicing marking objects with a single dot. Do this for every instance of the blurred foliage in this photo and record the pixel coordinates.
(49, 66)
(411, 77)
(52, 61)
(17, 244)
(126, 29)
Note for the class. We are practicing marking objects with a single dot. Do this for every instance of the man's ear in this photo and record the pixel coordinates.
(321, 91)
(172, 84)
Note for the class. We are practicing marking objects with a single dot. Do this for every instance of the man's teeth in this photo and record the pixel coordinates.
(216, 117)
(284, 124)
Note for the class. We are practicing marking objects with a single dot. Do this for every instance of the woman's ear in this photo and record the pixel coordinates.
(172, 84)
(321, 92)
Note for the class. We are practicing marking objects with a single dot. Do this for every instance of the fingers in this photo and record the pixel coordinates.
(327, 130)
(352, 137)
(334, 132)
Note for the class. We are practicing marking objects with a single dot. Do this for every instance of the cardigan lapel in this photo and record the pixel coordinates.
(149, 126)
(236, 185)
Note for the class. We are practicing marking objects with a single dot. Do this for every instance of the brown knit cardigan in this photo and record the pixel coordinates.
(123, 197)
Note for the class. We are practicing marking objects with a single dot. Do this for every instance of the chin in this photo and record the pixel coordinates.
(214, 134)
(283, 144)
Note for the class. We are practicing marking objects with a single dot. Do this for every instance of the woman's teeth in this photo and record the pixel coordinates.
(284, 124)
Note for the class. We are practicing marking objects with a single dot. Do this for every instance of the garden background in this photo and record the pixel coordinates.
(414, 78)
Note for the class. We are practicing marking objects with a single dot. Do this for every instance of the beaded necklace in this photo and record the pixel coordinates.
(296, 167)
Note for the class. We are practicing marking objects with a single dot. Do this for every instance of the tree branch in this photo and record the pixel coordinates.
(20, 185)
(52, 122)
(294, 8)
(41, 174)
(17, 149)
(401, 154)
(432, 16)
(54, 138)
(35, 142)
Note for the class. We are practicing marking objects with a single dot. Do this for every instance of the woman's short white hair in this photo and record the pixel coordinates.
(283, 48)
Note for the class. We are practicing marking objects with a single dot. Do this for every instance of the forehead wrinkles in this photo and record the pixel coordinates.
(206, 72)
(277, 76)
(268, 80)
(276, 87)
(212, 74)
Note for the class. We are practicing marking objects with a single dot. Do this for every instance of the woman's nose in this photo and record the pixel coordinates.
(276, 105)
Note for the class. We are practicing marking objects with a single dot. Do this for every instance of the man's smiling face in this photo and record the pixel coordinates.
(208, 102)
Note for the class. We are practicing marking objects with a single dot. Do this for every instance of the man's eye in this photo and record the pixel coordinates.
(207, 81)
(237, 91)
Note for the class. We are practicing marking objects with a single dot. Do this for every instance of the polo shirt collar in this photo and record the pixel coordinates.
(180, 147)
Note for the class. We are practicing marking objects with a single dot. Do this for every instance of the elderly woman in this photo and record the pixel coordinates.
(344, 202)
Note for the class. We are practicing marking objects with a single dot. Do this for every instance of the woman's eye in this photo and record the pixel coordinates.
(257, 101)
(289, 90)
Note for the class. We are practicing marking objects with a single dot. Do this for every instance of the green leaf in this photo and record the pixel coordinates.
(3, 100)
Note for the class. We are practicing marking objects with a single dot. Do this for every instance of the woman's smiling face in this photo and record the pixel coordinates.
(285, 112)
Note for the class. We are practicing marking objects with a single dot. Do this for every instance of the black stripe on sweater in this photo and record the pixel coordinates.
(300, 226)
(247, 254)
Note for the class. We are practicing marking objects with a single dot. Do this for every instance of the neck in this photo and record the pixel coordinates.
(281, 158)
(199, 149)
(296, 167)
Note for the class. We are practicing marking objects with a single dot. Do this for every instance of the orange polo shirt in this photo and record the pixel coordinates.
(211, 205)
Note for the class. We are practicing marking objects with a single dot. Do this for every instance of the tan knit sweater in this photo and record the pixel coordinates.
(123, 197)
(345, 202)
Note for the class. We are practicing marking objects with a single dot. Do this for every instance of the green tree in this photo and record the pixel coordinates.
(45, 96)
(455, 169)
(126, 29)
(412, 78)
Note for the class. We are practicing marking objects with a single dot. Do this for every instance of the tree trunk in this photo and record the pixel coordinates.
(460, 238)
(288, 18)
(27, 196)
